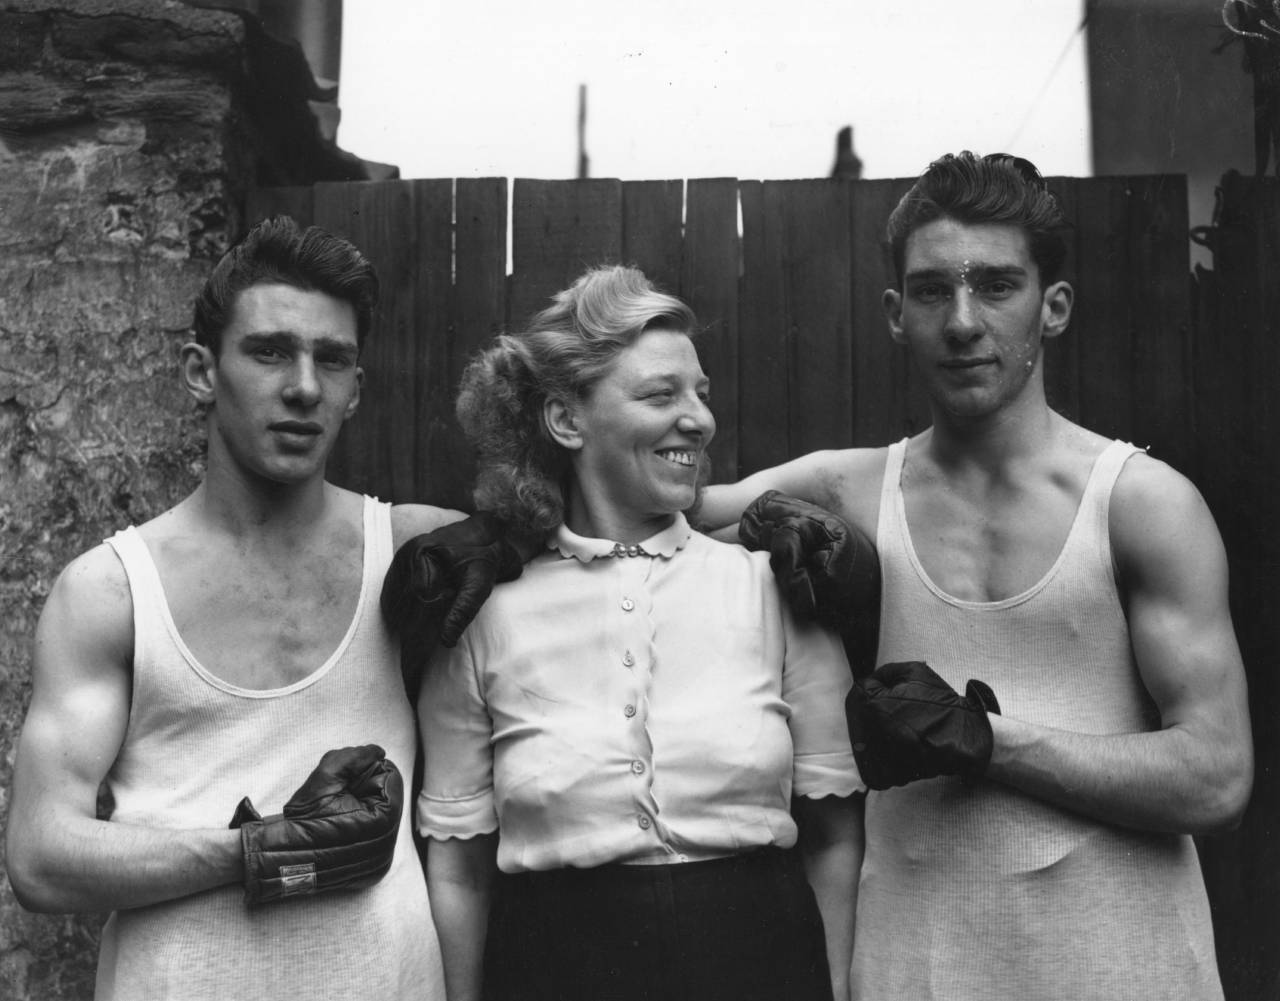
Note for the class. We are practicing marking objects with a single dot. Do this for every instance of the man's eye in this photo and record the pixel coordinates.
(335, 362)
(998, 289)
(928, 293)
(268, 353)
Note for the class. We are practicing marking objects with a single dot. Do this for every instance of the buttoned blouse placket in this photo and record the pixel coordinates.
(636, 655)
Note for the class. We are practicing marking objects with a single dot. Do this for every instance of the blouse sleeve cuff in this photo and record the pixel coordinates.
(834, 774)
(456, 818)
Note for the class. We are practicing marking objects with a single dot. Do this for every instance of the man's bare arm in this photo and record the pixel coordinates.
(60, 857)
(846, 482)
(408, 520)
(1194, 774)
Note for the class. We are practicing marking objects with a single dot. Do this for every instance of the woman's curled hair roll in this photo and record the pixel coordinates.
(564, 351)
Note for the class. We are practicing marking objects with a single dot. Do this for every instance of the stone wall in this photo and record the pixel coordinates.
(129, 133)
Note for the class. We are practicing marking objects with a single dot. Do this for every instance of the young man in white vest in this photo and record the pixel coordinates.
(1031, 837)
(227, 660)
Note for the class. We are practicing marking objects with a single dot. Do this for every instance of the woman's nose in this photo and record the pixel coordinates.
(697, 418)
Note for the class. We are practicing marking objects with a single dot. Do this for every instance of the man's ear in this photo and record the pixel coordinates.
(562, 423)
(1055, 309)
(891, 303)
(354, 404)
(199, 372)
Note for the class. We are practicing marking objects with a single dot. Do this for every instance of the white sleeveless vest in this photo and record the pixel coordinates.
(195, 745)
(973, 890)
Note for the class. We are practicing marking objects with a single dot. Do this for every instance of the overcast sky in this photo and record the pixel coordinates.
(755, 89)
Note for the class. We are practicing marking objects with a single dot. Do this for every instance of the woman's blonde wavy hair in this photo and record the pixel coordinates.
(562, 353)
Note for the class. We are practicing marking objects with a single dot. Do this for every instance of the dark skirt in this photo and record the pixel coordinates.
(744, 928)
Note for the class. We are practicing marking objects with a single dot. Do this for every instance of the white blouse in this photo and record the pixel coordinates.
(613, 708)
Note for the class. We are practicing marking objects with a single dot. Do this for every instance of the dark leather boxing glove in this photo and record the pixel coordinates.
(906, 723)
(827, 569)
(438, 581)
(337, 832)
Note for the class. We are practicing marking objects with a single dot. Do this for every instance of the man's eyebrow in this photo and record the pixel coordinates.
(981, 270)
(287, 338)
(332, 344)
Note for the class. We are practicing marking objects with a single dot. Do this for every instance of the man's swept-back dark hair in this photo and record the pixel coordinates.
(279, 251)
(996, 188)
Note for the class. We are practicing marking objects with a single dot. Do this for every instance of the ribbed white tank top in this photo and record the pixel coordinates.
(195, 745)
(993, 894)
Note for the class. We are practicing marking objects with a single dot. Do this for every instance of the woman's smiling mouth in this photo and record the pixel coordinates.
(681, 457)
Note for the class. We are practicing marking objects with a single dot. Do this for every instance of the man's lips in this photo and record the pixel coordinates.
(963, 363)
(297, 427)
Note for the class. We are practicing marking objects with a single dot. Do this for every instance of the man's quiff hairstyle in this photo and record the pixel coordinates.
(970, 189)
(279, 251)
(561, 354)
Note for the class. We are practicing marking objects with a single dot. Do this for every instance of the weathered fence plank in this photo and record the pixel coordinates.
(1158, 266)
(816, 266)
(709, 283)
(652, 239)
(428, 271)
(764, 349)
(479, 313)
(1101, 325)
(559, 229)
(887, 400)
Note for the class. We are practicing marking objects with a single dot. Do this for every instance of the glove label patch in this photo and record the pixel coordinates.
(298, 880)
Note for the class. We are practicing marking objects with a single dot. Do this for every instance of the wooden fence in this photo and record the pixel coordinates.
(786, 278)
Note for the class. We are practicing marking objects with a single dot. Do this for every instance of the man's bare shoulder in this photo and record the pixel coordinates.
(90, 608)
(847, 481)
(1150, 495)
(408, 520)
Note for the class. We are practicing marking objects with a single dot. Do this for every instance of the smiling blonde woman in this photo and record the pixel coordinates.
(613, 747)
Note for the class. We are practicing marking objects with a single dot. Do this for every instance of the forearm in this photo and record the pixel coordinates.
(459, 887)
(831, 846)
(85, 865)
(1170, 780)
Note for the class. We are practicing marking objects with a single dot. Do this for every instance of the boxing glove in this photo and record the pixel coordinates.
(337, 832)
(906, 723)
(438, 581)
(827, 569)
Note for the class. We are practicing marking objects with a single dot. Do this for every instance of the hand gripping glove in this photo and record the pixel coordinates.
(827, 569)
(906, 723)
(337, 832)
(438, 581)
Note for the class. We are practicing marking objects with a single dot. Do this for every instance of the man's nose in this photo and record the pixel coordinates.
(303, 388)
(964, 321)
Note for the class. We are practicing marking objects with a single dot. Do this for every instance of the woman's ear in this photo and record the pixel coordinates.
(562, 423)
(200, 372)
